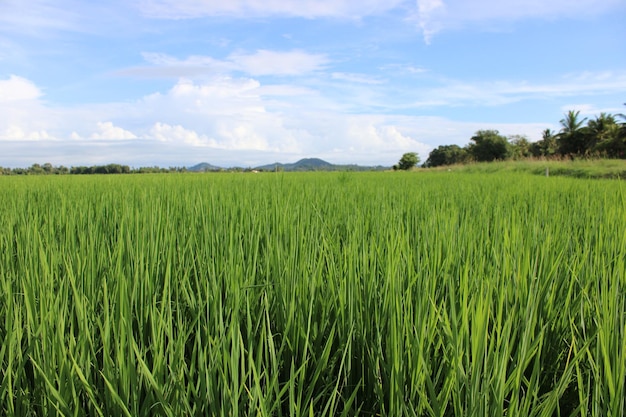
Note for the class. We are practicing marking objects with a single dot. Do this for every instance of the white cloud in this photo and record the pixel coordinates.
(455, 92)
(430, 131)
(43, 18)
(16, 133)
(242, 137)
(260, 63)
(436, 15)
(18, 89)
(167, 66)
(231, 113)
(430, 15)
(356, 78)
(180, 9)
(34, 15)
(23, 117)
(179, 135)
(220, 96)
(218, 87)
(265, 62)
(107, 131)
(375, 134)
(242, 121)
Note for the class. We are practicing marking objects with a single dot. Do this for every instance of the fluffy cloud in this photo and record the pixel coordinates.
(230, 113)
(107, 131)
(372, 133)
(236, 121)
(16, 133)
(179, 135)
(218, 97)
(18, 89)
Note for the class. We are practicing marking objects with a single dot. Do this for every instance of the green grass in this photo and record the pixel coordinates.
(390, 294)
(578, 168)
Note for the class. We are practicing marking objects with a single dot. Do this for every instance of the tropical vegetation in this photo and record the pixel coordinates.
(604, 136)
(408, 161)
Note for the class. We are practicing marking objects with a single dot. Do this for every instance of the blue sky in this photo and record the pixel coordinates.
(249, 82)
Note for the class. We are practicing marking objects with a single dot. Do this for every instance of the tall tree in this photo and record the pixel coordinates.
(572, 139)
(604, 133)
(547, 146)
(446, 155)
(488, 145)
(520, 147)
(408, 161)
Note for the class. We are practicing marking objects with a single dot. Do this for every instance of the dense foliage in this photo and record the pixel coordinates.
(408, 161)
(446, 155)
(603, 136)
(488, 145)
(49, 169)
(439, 294)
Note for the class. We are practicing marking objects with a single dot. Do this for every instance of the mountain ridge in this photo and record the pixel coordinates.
(304, 164)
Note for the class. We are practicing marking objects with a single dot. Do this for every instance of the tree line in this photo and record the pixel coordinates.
(49, 169)
(603, 136)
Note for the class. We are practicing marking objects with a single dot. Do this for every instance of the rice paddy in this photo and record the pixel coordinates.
(317, 294)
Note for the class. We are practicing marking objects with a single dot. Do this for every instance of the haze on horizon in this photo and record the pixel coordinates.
(250, 82)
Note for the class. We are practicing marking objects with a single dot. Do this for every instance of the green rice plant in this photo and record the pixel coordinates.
(418, 294)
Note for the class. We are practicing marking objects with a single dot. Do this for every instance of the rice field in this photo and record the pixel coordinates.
(312, 294)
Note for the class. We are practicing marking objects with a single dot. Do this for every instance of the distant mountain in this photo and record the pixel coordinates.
(306, 164)
(316, 164)
(204, 167)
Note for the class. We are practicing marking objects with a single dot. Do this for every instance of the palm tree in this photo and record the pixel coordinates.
(572, 138)
(548, 144)
(570, 123)
(606, 135)
(620, 148)
(603, 130)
